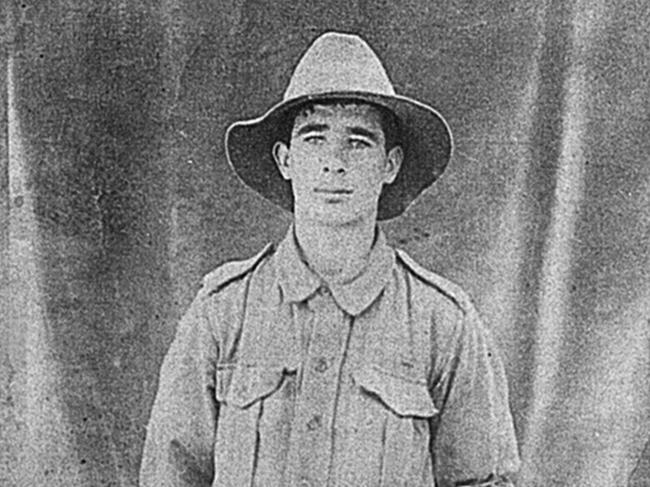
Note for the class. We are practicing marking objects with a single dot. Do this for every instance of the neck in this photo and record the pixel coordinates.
(335, 251)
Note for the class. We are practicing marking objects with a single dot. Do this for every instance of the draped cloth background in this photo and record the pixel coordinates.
(115, 198)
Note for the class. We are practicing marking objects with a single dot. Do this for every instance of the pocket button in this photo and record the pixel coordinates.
(321, 365)
(314, 423)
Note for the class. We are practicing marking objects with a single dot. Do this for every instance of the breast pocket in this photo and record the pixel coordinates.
(256, 404)
(242, 385)
(392, 413)
(405, 397)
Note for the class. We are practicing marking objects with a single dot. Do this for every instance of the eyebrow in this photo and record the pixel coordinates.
(312, 127)
(364, 133)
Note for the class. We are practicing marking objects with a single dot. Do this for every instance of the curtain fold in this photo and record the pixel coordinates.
(116, 198)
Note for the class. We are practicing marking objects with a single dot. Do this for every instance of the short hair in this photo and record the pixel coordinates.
(389, 122)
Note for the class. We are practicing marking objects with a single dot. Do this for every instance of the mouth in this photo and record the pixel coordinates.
(333, 191)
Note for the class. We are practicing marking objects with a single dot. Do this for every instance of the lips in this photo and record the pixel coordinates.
(333, 190)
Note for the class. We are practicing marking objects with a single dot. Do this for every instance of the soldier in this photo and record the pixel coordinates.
(333, 359)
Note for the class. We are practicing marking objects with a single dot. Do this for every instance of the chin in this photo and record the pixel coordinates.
(337, 216)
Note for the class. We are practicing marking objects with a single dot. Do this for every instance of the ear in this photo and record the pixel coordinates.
(281, 158)
(394, 160)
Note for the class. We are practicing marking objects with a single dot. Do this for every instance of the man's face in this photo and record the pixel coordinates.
(337, 162)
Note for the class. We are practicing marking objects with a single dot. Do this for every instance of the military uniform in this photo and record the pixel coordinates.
(385, 378)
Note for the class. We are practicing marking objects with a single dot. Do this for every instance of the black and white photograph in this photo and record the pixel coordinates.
(325, 244)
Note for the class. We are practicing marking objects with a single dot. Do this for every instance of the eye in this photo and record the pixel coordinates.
(359, 143)
(314, 139)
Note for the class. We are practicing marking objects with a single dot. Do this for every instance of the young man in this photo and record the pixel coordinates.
(333, 359)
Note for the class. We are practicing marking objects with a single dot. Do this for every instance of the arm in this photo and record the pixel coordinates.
(178, 448)
(475, 443)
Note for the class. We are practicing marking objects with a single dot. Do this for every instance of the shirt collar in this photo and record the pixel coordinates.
(353, 295)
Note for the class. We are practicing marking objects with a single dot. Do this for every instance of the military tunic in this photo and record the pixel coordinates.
(385, 378)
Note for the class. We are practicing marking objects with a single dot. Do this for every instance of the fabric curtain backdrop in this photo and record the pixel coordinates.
(116, 199)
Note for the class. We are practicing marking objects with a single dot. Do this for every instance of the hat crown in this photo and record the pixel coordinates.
(337, 62)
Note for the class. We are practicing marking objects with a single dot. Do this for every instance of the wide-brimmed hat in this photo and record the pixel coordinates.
(341, 66)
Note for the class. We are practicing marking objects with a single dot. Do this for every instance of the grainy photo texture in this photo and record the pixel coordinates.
(342, 243)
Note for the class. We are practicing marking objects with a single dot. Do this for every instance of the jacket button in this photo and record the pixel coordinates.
(314, 422)
(321, 365)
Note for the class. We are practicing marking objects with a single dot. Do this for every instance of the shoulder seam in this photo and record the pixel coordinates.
(230, 271)
(449, 288)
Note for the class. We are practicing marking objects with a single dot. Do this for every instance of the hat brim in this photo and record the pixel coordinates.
(425, 138)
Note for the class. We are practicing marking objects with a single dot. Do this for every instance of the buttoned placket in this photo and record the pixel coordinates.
(313, 430)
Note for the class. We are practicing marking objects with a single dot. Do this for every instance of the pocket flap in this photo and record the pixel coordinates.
(405, 397)
(252, 383)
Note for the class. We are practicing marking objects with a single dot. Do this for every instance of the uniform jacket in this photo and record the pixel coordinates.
(387, 378)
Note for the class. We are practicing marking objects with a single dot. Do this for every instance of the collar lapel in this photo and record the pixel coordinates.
(353, 294)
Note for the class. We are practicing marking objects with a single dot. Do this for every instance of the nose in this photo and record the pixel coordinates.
(335, 161)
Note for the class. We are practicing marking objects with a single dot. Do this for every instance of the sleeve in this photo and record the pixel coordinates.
(178, 449)
(474, 433)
